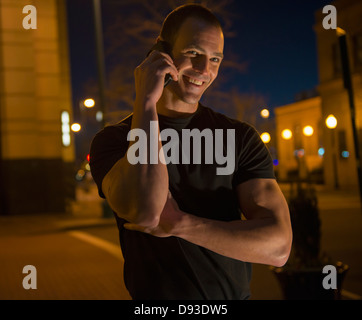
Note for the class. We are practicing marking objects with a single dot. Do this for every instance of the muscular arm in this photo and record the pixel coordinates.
(138, 192)
(265, 237)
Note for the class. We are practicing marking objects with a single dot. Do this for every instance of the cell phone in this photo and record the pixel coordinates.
(165, 47)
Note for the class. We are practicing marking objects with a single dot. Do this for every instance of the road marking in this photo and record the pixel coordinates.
(116, 251)
(350, 295)
(111, 248)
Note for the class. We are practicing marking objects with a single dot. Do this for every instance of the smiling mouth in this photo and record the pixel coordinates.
(194, 81)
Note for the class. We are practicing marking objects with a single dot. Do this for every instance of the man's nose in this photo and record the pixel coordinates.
(201, 64)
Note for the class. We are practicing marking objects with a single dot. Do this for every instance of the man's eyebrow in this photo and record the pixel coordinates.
(197, 47)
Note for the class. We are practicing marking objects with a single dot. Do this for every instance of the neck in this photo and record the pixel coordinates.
(171, 106)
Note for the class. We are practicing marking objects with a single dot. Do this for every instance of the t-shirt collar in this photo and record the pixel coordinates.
(177, 123)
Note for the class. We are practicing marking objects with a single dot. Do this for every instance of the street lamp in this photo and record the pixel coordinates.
(89, 103)
(75, 127)
(287, 134)
(331, 123)
(265, 137)
(264, 113)
(308, 131)
(348, 85)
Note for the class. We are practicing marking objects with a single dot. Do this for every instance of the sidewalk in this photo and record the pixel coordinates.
(71, 268)
(70, 264)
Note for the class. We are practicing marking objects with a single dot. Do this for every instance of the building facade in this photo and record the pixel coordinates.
(300, 147)
(330, 150)
(36, 148)
(340, 166)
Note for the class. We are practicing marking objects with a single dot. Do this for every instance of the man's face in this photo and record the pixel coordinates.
(197, 54)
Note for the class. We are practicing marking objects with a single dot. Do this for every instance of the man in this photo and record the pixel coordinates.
(180, 225)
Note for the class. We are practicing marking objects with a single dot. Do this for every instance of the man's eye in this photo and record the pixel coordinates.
(192, 52)
(215, 59)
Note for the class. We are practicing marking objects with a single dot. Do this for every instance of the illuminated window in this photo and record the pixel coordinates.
(65, 120)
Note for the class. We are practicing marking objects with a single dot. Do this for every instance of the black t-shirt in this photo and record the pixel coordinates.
(172, 268)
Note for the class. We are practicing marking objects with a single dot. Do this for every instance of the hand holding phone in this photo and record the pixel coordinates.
(165, 47)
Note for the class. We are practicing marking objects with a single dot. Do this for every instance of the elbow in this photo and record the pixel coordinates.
(146, 217)
(143, 213)
(146, 214)
(282, 251)
(280, 260)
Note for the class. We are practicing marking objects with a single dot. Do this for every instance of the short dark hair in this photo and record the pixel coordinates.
(175, 19)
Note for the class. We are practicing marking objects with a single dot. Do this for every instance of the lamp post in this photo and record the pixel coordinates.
(331, 123)
(347, 81)
(100, 57)
(285, 153)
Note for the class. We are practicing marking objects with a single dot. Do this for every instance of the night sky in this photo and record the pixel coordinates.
(275, 40)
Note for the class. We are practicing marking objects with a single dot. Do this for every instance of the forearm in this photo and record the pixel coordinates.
(264, 241)
(265, 237)
(139, 191)
(137, 185)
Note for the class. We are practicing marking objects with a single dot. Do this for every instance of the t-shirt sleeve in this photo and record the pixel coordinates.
(254, 159)
(108, 146)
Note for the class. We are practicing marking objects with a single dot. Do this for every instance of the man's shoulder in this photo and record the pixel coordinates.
(122, 126)
(113, 133)
(225, 121)
(125, 123)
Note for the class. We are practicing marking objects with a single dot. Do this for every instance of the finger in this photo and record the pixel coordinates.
(156, 56)
(165, 67)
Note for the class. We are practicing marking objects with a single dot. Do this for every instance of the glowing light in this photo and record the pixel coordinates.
(275, 162)
(99, 116)
(66, 139)
(265, 136)
(65, 128)
(287, 134)
(340, 32)
(345, 154)
(89, 103)
(75, 127)
(65, 117)
(80, 175)
(299, 153)
(331, 121)
(265, 113)
(321, 152)
(308, 131)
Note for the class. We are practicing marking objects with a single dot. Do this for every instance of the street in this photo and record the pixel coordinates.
(78, 256)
